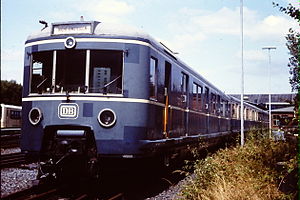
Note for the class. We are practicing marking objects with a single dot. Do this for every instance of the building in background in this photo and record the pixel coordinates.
(282, 107)
(101, 77)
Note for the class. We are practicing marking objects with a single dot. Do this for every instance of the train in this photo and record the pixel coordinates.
(10, 116)
(96, 91)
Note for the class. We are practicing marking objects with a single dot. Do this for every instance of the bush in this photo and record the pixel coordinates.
(254, 171)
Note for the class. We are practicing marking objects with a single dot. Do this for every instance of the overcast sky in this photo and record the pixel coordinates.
(205, 33)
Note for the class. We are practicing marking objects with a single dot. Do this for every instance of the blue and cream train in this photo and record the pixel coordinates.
(98, 90)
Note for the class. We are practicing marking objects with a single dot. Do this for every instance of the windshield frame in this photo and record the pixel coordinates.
(84, 89)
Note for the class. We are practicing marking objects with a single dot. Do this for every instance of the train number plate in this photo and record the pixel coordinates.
(68, 111)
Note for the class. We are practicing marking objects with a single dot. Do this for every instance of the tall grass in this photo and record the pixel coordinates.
(248, 172)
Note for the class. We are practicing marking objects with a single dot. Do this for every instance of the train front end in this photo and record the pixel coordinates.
(84, 96)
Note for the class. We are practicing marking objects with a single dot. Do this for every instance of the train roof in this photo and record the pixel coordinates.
(10, 106)
(99, 29)
(123, 31)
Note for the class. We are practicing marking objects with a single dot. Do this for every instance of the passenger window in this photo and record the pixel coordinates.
(223, 108)
(213, 103)
(200, 90)
(195, 96)
(106, 69)
(206, 99)
(197, 92)
(184, 83)
(218, 105)
(153, 78)
(226, 109)
(14, 114)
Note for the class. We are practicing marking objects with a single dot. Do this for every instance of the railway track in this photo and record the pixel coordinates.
(13, 159)
(44, 191)
(10, 137)
(119, 196)
(52, 192)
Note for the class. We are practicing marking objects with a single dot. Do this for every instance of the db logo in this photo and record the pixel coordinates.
(68, 111)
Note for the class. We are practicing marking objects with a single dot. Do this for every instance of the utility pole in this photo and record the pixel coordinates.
(270, 101)
(242, 74)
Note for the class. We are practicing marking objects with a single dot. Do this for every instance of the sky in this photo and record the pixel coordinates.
(205, 33)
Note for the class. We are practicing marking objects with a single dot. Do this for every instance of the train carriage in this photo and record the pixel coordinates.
(10, 116)
(99, 90)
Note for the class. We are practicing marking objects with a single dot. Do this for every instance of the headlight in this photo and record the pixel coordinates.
(107, 118)
(35, 116)
(70, 42)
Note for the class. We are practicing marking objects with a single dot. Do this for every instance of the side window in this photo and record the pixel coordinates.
(15, 114)
(223, 107)
(218, 105)
(195, 96)
(226, 109)
(153, 78)
(184, 83)
(233, 113)
(213, 103)
(197, 92)
(206, 99)
(200, 90)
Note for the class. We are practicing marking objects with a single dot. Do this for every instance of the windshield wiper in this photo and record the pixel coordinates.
(39, 85)
(108, 84)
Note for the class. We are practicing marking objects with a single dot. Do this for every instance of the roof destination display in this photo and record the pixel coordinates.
(72, 28)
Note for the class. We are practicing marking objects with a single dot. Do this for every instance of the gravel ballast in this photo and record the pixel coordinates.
(10, 150)
(16, 179)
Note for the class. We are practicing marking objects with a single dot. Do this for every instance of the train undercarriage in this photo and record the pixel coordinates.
(68, 152)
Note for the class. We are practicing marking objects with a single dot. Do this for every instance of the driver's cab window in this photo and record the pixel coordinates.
(70, 70)
(106, 71)
(42, 63)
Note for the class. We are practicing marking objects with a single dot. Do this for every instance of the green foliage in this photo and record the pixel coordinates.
(11, 93)
(249, 172)
(292, 45)
(289, 10)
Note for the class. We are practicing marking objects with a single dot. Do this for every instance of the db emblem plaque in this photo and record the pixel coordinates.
(68, 111)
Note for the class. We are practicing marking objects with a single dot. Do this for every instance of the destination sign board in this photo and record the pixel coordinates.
(73, 28)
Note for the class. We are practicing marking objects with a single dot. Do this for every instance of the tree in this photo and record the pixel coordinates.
(11, 93)
(292, 45)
